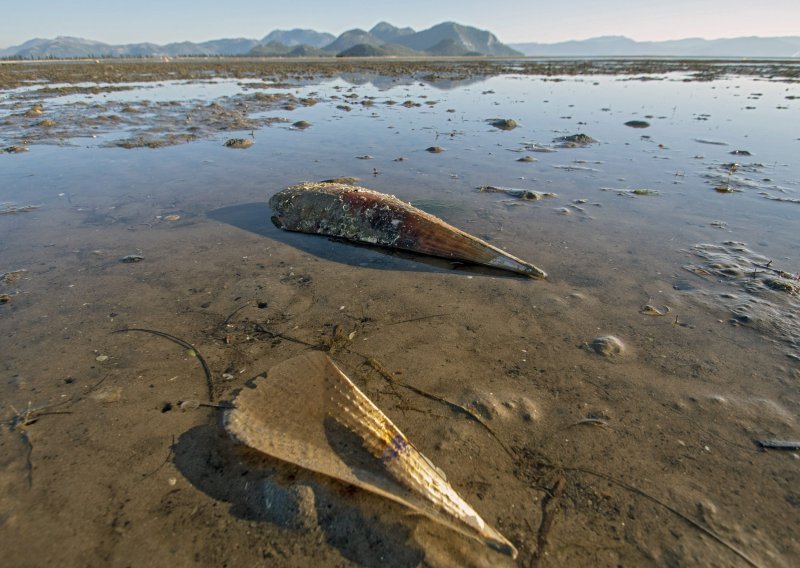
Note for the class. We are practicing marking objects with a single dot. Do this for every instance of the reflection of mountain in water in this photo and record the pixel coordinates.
(442, 81)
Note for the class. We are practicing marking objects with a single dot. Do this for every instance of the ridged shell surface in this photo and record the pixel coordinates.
(308, 412)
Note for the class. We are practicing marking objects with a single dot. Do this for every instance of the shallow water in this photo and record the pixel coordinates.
(704, 380)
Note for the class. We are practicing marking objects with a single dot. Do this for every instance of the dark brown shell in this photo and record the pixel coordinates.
(362, 215)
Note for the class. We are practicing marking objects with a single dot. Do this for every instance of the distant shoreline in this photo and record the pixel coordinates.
(16, 73)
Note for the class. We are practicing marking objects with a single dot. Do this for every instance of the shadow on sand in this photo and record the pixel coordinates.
(265, 490)
(255, 217)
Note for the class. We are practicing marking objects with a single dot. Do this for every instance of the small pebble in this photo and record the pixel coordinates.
(503, 123)
(240, 143)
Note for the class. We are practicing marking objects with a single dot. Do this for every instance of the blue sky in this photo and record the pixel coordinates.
(163, 21)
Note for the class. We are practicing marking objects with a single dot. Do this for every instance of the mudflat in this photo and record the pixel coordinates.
(627, 410)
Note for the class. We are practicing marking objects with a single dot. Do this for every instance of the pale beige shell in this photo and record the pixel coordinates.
(309, 413)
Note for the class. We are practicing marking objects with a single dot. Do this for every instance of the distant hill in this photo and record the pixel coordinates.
(451, 48)
(297, 36)
(351, 38)
(66, 47)
(307, 51)
(270, 49)
(448, 38)
(388, 33)
(277, 49)
(384, 50)
(363, 50)
(465, 37)
(788, 47)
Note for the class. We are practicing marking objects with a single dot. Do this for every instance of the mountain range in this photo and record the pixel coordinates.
(384, 39)
(786, 47)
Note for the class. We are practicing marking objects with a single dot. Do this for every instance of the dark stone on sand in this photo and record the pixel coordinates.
(238, 143)
(575, 140)
(15, 149)
(36, 110)
(131, 258)
(741, 153)
(638, 124)
(503, 123)
(435, 149)
(301, 124)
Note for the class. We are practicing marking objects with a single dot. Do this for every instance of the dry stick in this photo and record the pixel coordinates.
(261, 329)
(454, 406)
(182, 343)
(633, 489)
(549, 509)
(781, 273)
(234, 312)
(166, 459)
(416, 319)
(30, 416)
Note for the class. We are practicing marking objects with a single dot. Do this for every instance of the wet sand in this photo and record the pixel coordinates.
(646, 457)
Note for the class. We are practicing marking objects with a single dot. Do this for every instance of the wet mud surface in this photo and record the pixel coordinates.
(620, 399)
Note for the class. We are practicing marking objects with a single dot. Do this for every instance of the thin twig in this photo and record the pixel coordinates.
(166, 459)
(234, 312)
(549, 510)
(261, 329)
(702, 528)
(183, 343)
(416, 319)
(591, 421)
(381, 370)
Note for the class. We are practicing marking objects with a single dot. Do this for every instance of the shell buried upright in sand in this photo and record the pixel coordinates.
(362, 215)
(308, 412)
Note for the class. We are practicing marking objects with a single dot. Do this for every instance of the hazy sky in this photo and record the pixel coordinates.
(163, 21)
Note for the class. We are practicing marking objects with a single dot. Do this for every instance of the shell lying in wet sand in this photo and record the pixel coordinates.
(362, 215)
(307, 412)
